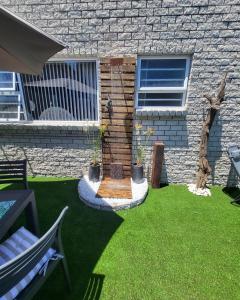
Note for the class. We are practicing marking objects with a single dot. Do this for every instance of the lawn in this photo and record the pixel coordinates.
(174, 246)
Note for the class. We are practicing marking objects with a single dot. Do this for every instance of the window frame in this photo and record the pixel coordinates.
(162, 89)
(18, 109)
(13, 82)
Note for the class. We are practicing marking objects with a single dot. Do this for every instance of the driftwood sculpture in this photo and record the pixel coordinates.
(204, 169)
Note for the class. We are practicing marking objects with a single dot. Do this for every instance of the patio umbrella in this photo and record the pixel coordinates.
(23, 47)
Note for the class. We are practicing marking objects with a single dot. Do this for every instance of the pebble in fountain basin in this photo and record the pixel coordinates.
(87, 192)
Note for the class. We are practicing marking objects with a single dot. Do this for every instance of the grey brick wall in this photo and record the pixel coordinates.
(208, 30)
(50, 151)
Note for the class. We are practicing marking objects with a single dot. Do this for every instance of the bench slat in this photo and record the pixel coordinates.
(13, 171)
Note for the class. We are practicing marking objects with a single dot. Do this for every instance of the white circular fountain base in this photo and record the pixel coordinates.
(87, 192)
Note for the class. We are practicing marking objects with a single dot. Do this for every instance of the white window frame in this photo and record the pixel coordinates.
(162, 89)
(18, 108)
(12, 88)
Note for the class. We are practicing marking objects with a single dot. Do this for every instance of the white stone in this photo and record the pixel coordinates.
(198, 191)
(87, 192)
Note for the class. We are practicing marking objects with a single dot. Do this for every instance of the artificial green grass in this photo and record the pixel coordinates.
(174, 246)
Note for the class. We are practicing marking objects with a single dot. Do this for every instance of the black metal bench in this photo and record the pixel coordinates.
(13, 171)
(234, 155)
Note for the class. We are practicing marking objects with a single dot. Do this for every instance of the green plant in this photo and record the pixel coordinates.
(141, 145)
(97, 142)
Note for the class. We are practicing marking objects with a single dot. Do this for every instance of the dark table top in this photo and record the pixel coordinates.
(12, 203)
(18, 194)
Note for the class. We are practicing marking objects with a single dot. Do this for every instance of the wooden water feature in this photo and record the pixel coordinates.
(116, 190)
(117, 105)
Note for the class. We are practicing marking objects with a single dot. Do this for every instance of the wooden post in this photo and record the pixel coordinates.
(157, 162)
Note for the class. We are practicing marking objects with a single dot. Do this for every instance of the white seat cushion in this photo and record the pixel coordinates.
(21, 240)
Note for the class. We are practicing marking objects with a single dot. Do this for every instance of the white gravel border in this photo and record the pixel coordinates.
(87, 191)
(197, 191)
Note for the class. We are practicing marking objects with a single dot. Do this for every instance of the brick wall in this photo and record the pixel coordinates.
(49, 150)
(208, 30)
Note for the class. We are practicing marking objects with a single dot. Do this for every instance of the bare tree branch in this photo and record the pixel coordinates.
(209, 98)
(204, 169)
(221, 92)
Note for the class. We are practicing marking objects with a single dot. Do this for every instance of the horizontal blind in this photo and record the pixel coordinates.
(11, 104)
(10, 107)
(7, 80)
(162, 82)
(65, 91)
(160, 99)
(162, 72)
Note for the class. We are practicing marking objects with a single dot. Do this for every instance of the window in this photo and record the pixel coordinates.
(65, 91)
(162, 82)
(10, 107)
(7, 81)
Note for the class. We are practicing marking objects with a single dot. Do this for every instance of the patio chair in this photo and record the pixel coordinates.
(13, 171)
(234, 155)
(26, 261)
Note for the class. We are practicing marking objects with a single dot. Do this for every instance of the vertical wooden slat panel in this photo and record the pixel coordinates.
(117, 82)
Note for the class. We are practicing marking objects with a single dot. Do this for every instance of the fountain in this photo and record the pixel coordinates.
(116, 190)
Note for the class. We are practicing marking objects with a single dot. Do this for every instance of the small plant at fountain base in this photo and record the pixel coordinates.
(94, 168)
(137, 168)
(97, 143)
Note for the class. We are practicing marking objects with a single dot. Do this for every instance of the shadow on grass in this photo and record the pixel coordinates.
(86, 233)
(94, 288)
(234, 194)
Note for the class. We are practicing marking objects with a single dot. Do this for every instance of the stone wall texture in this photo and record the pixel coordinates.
(206, 30)
(52, 151)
